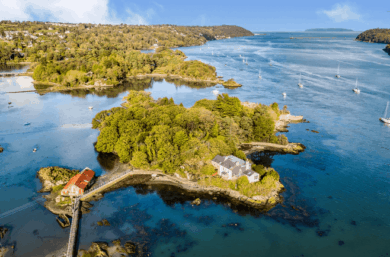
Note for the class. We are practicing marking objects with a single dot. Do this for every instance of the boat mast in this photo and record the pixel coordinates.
(300, 74)
(338, 70)
(356, 84)
(387, 106)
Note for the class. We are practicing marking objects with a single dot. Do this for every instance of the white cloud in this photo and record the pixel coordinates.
(341, 13)
(74, 11)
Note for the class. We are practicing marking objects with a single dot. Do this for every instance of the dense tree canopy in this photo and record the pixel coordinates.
(161, 134)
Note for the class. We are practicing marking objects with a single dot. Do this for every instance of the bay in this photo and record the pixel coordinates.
(338, 187)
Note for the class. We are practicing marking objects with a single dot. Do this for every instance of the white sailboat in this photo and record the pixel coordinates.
(338, 72)
(356, 89)
(90, 107)
(215, 92)
(284, 94)
(243, 60)
(385, 119)
(260, 74)
(299, 83)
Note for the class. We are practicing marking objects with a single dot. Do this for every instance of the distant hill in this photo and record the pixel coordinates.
(375, 36)
(329, 29)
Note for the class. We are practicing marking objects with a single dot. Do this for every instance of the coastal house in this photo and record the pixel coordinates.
(231, 167)
(77, 184)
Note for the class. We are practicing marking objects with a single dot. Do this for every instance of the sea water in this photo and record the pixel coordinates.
(337, 191)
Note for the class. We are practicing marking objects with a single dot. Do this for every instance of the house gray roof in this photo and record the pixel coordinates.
(236, 170)
(249, 172)
(228, 164)
(235, 159)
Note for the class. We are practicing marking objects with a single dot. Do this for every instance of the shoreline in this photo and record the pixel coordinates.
(54, 87)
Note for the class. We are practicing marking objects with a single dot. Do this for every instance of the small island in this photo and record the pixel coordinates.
(201, 149)
(328, 30)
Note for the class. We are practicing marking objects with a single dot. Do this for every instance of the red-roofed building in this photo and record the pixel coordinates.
(78, 183)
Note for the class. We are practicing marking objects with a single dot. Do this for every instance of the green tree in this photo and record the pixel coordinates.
(107, 139)
(139, 160)
(180, 138)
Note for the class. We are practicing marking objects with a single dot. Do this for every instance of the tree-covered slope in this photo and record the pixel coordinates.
(375, 36)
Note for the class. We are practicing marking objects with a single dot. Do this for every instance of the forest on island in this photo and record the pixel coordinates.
(159, 134)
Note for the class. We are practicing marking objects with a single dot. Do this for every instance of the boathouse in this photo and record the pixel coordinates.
(77, 184)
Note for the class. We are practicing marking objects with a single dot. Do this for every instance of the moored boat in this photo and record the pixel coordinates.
(385, 119)
(356, 89)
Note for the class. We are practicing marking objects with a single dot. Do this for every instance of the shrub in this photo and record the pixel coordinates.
(208, 169)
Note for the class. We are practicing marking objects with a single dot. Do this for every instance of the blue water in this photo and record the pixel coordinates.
(339, 186)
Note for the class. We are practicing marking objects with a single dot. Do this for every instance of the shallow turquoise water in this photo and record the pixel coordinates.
(340, 184)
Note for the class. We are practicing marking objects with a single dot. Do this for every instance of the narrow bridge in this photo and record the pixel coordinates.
(76, 207)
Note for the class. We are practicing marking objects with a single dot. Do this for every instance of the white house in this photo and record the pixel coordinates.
(231, 167)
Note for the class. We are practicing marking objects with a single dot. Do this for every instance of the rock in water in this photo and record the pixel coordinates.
(3, 231)
(130, 247)
(1, 149)
(196, 201)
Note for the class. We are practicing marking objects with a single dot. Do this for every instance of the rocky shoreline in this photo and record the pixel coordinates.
(285, 119)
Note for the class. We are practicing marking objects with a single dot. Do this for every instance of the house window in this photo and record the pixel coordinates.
(256, 177)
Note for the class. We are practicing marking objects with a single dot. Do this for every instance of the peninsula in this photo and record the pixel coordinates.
(69, 56)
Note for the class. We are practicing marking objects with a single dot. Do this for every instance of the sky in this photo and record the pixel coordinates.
(281, 15)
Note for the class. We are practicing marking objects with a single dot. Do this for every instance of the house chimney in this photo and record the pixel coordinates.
(247, 165)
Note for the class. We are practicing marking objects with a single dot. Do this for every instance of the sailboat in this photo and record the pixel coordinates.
(386, 119)
(215, 92)
(246, 61)
(299, 83)
(243, 60)
(270, 64)
(284, 94)
(212, 53)
(356, 89)
(260, 74)
(338, 72)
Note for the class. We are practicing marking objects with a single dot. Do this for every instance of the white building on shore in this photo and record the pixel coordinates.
(231, 167)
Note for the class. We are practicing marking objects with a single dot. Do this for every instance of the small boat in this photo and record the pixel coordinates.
(212, 53)
(34, 150)
(225, 64)
(260, 74)
(246, 61)
(9, 102)
(284, 94)
(215, 92)
(27, 123)
(299, 83)
(385, 119)
(270, 64)
(90, 107)
(338, 72)
(243, 60)
(356, 89)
